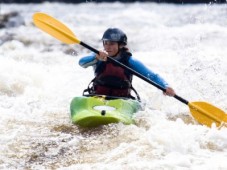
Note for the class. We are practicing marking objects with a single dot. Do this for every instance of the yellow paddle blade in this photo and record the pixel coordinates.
(55, 28)
(207, 114)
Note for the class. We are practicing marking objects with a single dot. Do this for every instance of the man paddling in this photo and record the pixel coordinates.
(203, 112)
(111, 79)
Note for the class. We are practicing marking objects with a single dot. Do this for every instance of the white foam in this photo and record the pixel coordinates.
(184, 44)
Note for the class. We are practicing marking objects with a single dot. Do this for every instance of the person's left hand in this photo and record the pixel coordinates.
(102, 55)
(169, 91)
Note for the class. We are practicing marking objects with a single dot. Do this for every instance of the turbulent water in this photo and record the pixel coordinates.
(39, 76)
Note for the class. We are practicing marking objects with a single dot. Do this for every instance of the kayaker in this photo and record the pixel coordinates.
(111, 79)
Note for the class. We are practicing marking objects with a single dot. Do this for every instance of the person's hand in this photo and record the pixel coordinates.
(169, 91)
(102, 56)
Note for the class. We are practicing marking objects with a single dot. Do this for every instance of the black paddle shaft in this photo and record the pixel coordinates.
(134, 72)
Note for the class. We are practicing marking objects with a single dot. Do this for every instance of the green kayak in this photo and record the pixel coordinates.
(94, 111)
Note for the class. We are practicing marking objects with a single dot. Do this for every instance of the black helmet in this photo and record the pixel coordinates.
(115, 34)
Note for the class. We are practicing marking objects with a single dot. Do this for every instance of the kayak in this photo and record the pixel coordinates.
(93, 111)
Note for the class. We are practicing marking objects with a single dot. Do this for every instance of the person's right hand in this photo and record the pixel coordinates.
(102, 56)
(169, 91)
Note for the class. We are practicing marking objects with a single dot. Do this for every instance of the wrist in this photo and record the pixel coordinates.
(96, 57)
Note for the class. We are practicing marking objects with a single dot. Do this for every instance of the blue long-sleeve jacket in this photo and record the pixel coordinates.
(132, 63)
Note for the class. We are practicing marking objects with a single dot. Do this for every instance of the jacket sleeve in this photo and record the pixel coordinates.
(87, 61)
(142, 69)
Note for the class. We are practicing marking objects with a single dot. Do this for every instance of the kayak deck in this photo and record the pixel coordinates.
(99, 110)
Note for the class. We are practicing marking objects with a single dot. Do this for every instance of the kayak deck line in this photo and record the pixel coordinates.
(98, 110)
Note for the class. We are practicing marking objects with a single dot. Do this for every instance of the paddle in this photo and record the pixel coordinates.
(203, 112)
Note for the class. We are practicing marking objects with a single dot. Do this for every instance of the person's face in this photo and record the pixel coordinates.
(111, 47)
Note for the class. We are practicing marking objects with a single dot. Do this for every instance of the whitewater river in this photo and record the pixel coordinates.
(39, 76)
